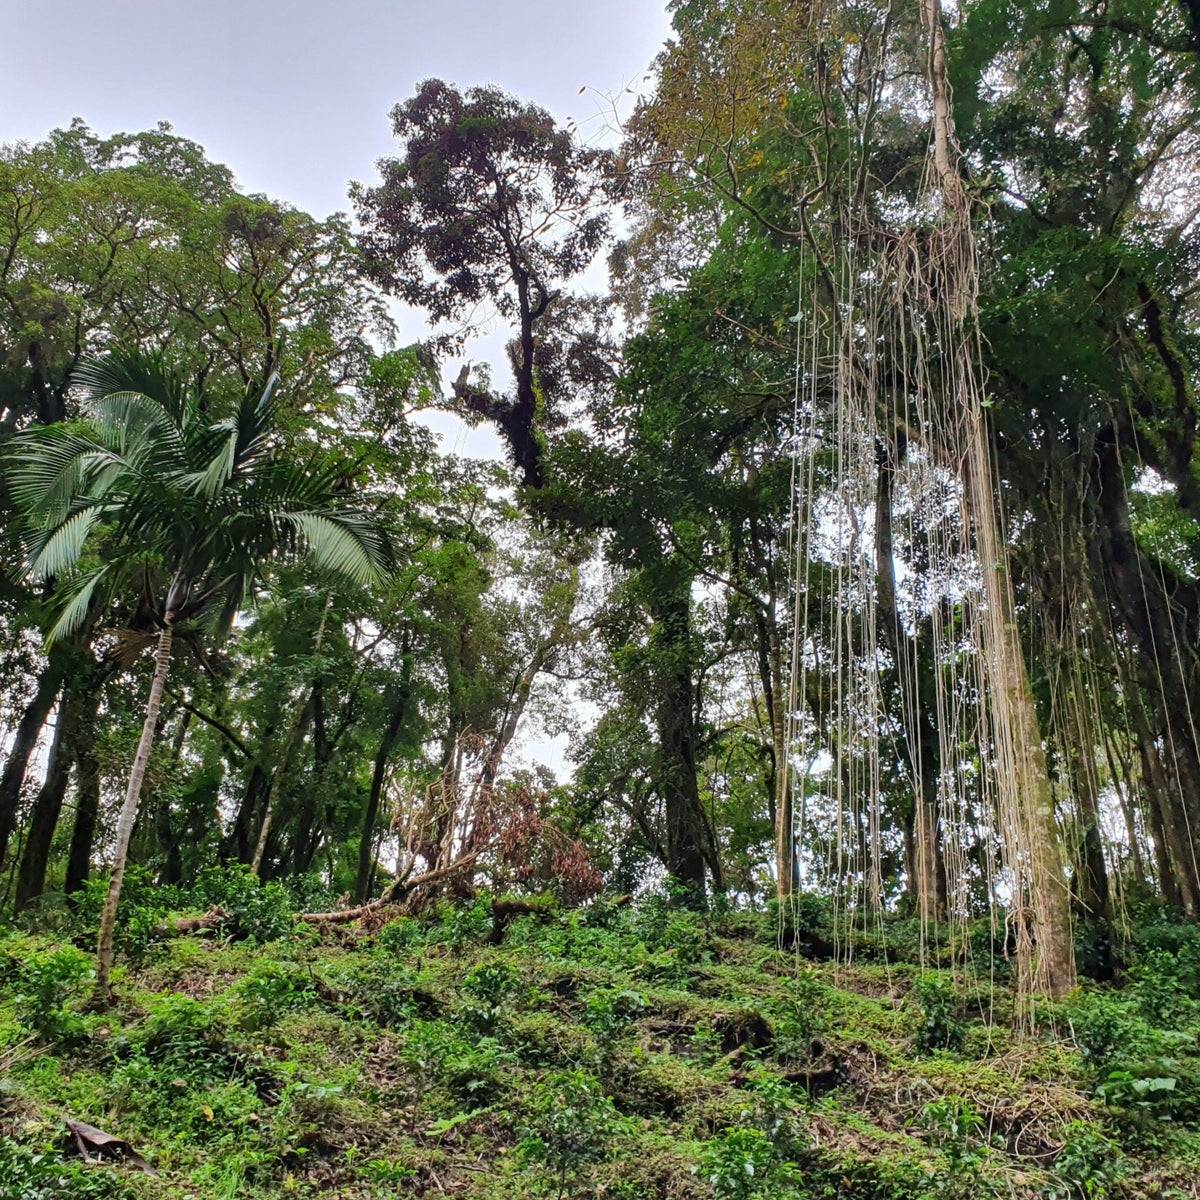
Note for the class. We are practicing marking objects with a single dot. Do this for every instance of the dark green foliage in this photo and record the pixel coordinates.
(936, 1014)
(48, 984)
(252, 909)
(567, 1125)
(28, 1175)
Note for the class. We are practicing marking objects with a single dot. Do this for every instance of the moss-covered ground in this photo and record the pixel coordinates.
(633, 1051)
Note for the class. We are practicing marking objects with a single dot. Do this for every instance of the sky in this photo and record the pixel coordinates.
(294, 94)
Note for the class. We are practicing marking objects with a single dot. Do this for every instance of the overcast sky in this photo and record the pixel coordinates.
(294, 94)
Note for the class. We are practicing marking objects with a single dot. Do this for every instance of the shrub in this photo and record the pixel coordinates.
(269, 991)
(48, 981)
(261, 912)
(1088, 1166)
(936, 1013)
(743, 1164)
(27, 1175)
(397, 936)
(569, 1124)
(487, 989)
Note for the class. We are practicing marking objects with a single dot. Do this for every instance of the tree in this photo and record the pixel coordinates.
(177, 493)
(491, 204)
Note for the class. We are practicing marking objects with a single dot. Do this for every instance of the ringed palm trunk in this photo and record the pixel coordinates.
(129, 809)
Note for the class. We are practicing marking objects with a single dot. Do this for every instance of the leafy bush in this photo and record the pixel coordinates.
(568, 1125)
(48, 982)
(140, 916)
(261, 912)
(936, 1013)
(464, 925)
(189, 1038)
(1088, 1166)
(802, 1016)
(398, 936)
(479, 1072)
(742, 1164)
(487, 989)
(270, 990)
(953, 1125)
(1165, 989)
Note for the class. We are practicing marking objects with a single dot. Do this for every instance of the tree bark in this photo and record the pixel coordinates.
(43, 820)
(129, 809)
(293, 736)
(25, 739)
(1035, 848)
(397, 715)
(87, 813)
(677, 747)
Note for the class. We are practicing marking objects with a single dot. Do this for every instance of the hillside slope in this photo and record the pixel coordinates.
(620, 1051)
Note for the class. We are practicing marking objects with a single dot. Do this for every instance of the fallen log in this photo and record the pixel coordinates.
(397, 891)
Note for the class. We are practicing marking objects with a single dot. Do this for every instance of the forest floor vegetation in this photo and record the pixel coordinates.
(621, 1050)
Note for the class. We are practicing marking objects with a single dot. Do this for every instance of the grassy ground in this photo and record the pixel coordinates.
(631, 1052)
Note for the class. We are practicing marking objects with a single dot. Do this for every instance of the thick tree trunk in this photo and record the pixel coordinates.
(1034, 843)
(43, 820)
(87, 813)
(677, 747)
(24, 741)
(1177, 876)
(1150, 617)
(128, 814)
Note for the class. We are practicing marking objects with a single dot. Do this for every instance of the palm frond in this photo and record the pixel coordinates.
(208, 481)
(46, 467)
(78, 599)
(60, 548)
(341, 543)
(148, 374)
(135, 424)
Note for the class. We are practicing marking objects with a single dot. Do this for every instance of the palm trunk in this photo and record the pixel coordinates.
(129, 809)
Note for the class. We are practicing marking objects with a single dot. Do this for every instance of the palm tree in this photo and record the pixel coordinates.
(172, 497)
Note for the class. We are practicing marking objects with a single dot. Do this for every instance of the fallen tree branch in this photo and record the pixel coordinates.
(397, 891)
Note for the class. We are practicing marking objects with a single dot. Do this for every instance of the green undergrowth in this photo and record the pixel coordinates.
(617, 1051)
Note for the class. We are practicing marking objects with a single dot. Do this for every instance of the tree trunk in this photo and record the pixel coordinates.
(391, 734)
(129, 809)
(35, 855)
(293, 736)
(677, 746)
(24, 741)
(1179, 877)
(1034, 844)
(1092, 888)
(87, 813)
